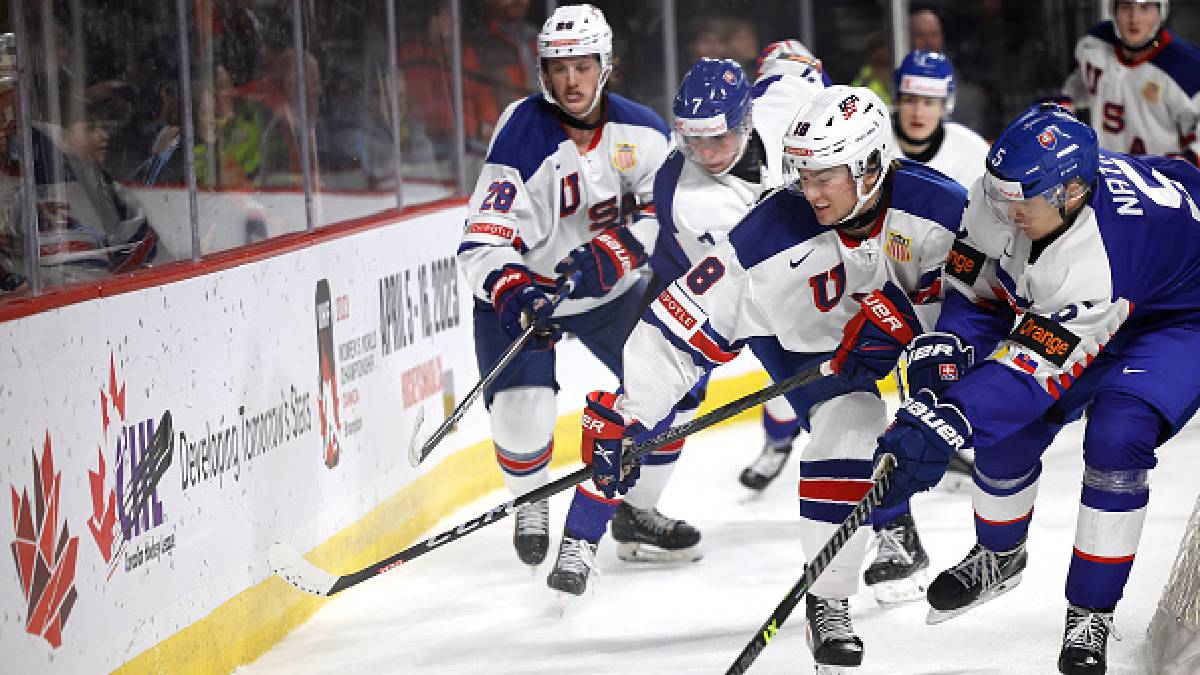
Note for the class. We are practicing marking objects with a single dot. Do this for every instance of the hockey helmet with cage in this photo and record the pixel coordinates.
(712, 120)
(788, 57)
(1164, 8)
(928, 74)
(575, 30)
(840, 126)
(1040, 154)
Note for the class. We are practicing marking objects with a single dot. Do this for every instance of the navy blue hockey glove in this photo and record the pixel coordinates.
(873, 339)
(603, 261)
(606, 438)
(936, 361)
(518, 303)
(924, 435)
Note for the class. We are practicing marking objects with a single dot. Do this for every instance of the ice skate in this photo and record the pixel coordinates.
(1085, 641)
(899, 572)
(575, 562)
(769, 463)
(531, 532)
(830, 634)
(960, 473)
(981, 576)
(645, 535)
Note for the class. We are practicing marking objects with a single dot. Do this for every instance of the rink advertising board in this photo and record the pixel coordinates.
(291, 384)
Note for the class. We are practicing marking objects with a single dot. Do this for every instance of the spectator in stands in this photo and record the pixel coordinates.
(506, 46)
(282, 143)
(741, 42)
(705, 40)
(876, 72)
(425, 62)
(925, 30)
(237, 33)
(89, 226)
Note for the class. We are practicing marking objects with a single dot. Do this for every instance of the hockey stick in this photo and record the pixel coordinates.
(883, 480)
(417, 455)
(294, 569)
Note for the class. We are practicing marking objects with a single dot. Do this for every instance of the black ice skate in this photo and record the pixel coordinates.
(1085, 641)
(576, 560)
(981, 576)
(765, 467)
(531, 532)
(960, 473)
(899, 571)
(645, 535)
(830, 634)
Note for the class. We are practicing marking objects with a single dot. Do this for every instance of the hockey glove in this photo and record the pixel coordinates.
(874, 338)
(937, 360)
(602, 261)
(924, 435)
(518, 303)
(606, 437)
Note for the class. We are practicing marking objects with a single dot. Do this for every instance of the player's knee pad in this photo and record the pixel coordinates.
(523, 418)
(846, 427)
(1122, 433)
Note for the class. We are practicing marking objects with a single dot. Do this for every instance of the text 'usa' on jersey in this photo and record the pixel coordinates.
(782, 274)
(539, 195)
(1145, 107)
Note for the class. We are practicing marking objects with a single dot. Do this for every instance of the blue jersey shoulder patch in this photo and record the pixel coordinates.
(624, 111)
(1180, 60)
(530, 135)
(780, 221)
(927, 193)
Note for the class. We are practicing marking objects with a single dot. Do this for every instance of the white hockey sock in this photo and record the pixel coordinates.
(649, 488)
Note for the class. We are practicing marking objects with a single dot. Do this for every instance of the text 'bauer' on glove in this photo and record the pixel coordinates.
(519, 303)
(603, 261)
(874, 338)
(607, 437)
(925, 433)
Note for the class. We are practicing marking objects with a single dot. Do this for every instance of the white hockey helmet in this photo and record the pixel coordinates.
(840, 126)
(575, 30)
(1164, 8)
(787, 57)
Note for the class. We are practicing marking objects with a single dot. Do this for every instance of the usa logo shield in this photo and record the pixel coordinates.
(848, 106)
(1047, 139)
(625, 156)
(899, 247)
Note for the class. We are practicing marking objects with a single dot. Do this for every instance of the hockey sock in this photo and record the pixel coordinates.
(1004, 508)
(883, 516)
(780, 424)
(590, 512)
(829, 490)
(525, 471)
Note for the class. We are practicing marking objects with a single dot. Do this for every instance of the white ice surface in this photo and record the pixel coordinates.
(471, 607)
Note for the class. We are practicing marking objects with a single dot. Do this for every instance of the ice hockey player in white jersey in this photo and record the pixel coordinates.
(716, 173)
(1076, 270)
(831, 267)
(792, 75)
(924, 102)
(1140, 82)
(567, 187)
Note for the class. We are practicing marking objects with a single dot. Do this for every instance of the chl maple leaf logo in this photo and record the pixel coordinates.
(45, 562)
(104, 497)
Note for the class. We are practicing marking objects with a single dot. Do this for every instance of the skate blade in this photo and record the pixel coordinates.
(826, 669)
(646, 553)
(902, 591)
(937, 616)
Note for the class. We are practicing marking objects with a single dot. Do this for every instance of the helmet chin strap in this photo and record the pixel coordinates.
(860, 215)
(570, 119)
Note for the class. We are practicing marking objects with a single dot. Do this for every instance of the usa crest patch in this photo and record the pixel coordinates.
(899, 247)
(625, 156)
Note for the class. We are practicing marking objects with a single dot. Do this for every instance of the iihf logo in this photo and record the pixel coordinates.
(848, 106)
(1047, 139)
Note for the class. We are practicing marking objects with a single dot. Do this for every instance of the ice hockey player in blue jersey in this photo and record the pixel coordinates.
(566, 173)
(1076, 271)
(1140, 82)
(831, 268)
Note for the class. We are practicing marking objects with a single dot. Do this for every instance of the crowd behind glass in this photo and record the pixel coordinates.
(288, 115)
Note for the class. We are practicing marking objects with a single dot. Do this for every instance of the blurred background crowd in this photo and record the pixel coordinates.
(289, 106)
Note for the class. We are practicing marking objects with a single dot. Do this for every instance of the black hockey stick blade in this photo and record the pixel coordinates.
(294, 569)
(814, 568)
(416, 455)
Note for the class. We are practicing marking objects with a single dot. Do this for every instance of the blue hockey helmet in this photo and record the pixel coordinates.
(926, 74)
(1038, 155)
(712, 119)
